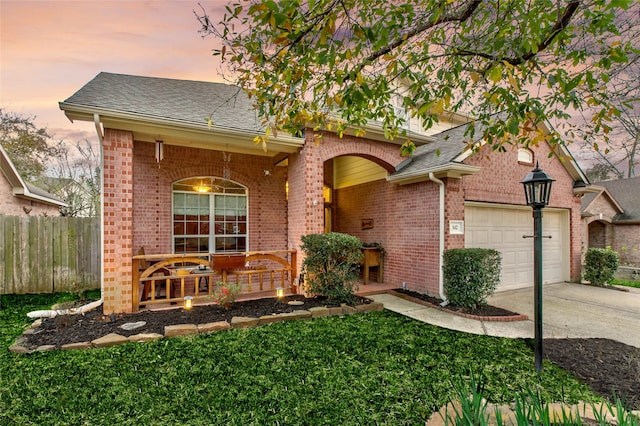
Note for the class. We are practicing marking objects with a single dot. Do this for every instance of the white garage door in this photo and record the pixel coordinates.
(502, 228)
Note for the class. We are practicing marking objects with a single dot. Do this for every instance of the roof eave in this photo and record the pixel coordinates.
(177, 132)
(24, 193)
(452, 170)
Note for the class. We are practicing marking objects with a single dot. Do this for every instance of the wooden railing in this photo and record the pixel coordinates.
(168, 278)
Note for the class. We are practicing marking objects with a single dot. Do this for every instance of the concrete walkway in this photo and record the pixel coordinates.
(569, 310)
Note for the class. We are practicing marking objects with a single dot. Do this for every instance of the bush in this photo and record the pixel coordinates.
(332, 264)
(600, 265)
(470, 275)
(226, 293)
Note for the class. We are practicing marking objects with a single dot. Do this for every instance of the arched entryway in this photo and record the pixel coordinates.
(598, 235)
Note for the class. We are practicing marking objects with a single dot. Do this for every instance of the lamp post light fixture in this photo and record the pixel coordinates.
(279, 292)
(537, 190)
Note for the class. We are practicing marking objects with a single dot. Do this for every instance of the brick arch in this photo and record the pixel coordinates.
(384, 154)
(214, 170)
(605, 219)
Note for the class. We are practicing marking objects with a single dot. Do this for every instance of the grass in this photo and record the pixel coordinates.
(377, 368)
(626, 283)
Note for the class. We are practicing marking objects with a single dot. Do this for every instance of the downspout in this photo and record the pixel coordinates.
(440, 184)
(52, 313)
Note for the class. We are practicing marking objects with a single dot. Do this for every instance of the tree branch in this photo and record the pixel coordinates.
(459, 17)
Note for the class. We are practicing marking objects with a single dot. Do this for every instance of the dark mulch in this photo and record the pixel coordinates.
(606, 366)
(482, 311)
(92, 325)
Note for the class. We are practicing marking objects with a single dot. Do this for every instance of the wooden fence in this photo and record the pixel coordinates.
(49, 254)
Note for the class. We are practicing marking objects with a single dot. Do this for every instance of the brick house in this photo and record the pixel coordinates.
(611, 218)
(159, 152)
(19, 198)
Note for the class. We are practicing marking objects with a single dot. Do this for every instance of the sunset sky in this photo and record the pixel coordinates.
(50, 49)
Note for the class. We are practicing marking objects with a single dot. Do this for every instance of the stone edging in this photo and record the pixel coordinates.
(510, 318)
(179, 330)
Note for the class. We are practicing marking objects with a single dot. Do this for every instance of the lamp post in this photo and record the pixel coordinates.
(537, 190)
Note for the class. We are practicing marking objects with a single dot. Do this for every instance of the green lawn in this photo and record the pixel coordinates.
(626, 283)
(377, 368)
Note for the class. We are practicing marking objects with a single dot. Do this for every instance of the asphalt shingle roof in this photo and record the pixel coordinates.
(182, 100)
(627, 194)
(443, 150)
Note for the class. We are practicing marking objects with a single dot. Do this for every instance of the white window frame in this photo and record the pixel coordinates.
(211, 194)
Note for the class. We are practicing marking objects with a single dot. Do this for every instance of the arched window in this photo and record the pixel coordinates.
(525, 156)
(209, 216)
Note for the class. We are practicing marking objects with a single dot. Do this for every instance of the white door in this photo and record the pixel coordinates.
(503, 227)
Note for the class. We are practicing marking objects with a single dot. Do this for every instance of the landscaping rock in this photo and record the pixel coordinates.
(320, 311)
(213, 327)
(346, 309)
(371, 307)
(299, 314)
(17, 349)
(269, 319)
(336, 310)
(45, 348)
(296, 303)
(111, 339)
(145, 337)
(76, 346)
(244, 322)
(133, 325)
(180, 330)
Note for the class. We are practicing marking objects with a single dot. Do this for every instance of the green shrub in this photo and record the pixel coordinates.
(600, 265)
(331, 266)
(226, 293)
(470, 275)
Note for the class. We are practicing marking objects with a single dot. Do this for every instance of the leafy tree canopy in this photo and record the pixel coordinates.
(340, 63)
(27, 145)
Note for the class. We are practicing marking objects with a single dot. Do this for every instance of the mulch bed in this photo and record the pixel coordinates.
(480, 311)
(608, 367)
(93, 324)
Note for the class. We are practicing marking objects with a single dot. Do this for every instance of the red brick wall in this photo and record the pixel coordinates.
(627, 243)
(499, 182)
(118, 220)
(153, 182)
(13, 206)
(405, 224)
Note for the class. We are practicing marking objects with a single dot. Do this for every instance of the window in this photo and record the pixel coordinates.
(525, 156)
(209, 216)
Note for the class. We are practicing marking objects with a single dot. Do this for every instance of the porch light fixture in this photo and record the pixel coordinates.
(202, 188)
(188, 302)
(279, 292)
(537, 191)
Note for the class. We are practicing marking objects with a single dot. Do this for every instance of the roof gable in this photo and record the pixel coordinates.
(626, 193)
(448, 151)
(21, 188)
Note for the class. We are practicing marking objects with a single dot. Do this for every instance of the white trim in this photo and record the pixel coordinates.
(455, 170)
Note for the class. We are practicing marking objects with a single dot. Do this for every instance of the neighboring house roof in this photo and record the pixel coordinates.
(22, 189)
(174, 110)
(624, 195)
(445, 155)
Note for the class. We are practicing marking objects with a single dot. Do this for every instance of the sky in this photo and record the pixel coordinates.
(50, 49)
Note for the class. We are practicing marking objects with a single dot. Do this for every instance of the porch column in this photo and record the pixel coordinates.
(305, 203)
(117, 235)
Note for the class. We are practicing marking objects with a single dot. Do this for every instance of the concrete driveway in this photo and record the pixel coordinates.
(569, 310)
(575, 310)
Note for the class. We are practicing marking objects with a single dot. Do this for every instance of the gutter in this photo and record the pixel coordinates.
(440, 184)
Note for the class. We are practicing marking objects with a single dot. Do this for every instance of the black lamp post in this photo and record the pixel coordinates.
(537, 190)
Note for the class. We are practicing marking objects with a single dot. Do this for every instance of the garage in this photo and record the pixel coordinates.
(502, 227)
